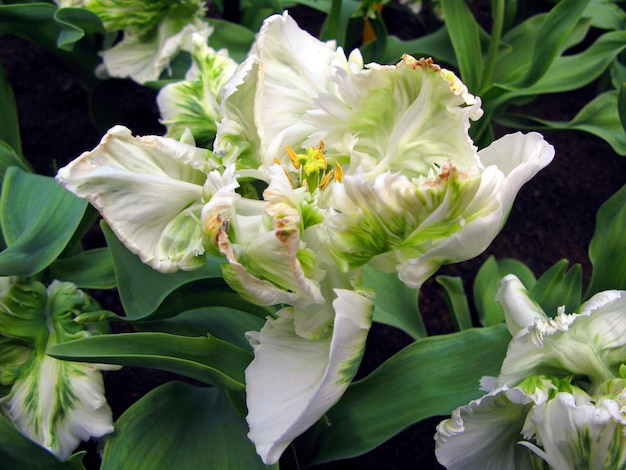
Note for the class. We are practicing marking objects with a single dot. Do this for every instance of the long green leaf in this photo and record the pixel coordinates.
(573, 71)
(427, 378)
(395, 303)
(206, 293)
(222, 322)
(8, 157)
(38, 219)
(91, 269)
(515, 58)
(556, 27)
(456, 300)
(556, 287)
(465, 38)
(607, 250)
(9, 124)
(487, 283)
(236, 38)
(621, 106)
(17, 452)
(599, 117)
(207, 359)
(179, 426)
(605, 14)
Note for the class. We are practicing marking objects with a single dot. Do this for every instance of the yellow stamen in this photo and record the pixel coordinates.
(338, 173)
(326, 179)
(293, 156)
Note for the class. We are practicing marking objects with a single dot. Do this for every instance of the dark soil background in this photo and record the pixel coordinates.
(553, 217)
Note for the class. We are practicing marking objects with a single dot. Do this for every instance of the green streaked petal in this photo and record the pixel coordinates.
(279, 82)
(55, 403)
(58, 404)
(237, 138)
(394, 220)
(518, 158)
(293, 381)
(575, 433)
(396, 116)
(269, 262)
(192, 103)
(126, 178)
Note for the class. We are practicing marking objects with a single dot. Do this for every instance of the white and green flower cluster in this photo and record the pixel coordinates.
(320, 165)
(55, 403)
(154, 32)
(560, 399)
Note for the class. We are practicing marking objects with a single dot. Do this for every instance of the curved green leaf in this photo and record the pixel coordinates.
(38, 219)
(573, 71)
(557, 287)
(223, 322)
(207, 359)
(146, 293)
(236, 38)
(456, 300)
(487, 283)
(427, 378)
(599, 117)
(464, 34)
(607, 250)
(17, 452)
(515, 59)
(74, 24)
(395, 303)
(9, 124)
(206, 293)
(605, 14)
(621, 106)
(179, 426)
(91, 269)
(555, 28)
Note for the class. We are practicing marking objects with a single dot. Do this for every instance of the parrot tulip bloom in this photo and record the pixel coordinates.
(55, 403)
(416, 193)
(573, 418)
(320, 165)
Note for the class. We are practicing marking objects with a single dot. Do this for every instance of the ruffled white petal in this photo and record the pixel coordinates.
(293, 381)
(398, 115)
(295, 68)
(483, 434)
(149, 190)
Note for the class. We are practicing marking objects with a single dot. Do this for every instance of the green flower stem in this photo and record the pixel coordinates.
(494, 44)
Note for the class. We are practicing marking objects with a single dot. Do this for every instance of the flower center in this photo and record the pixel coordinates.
(313, 167)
